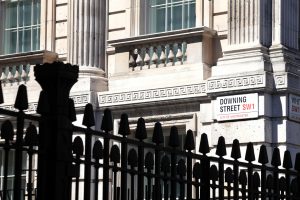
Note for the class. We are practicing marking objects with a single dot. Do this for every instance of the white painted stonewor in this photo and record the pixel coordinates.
(249, 22)
(87, 24)
(286, 22)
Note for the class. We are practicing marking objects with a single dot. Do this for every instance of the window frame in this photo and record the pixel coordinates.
(34, 26)
(147, 29)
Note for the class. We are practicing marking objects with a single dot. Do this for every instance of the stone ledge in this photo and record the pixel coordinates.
(162, 37)
(32, 58)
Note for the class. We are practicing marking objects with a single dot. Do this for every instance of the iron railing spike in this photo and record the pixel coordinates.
(158, 136)
(235, 150)
(189, 141)
(221, 147)
(204, 146)
(141, 132)
(88, 116)
(21, 102)
(174, 138)
(107, 123)
(124, 129)
(276, 161)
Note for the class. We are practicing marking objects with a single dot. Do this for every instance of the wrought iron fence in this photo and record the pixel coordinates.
(140, 170)
(81, 163)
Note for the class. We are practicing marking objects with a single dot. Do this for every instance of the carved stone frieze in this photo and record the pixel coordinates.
(236, 83)
(158, 94)
(80, 99)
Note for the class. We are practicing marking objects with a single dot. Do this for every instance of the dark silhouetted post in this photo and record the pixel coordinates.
(157, 138)
(141, 134)
(7, 133)
(205, 166)
(174, 143)
(221, 151)
(276, 162)
(21, 104)
(107, 127)
(263, 159)
(88, 121)
(189, 146)
(287, 164)
(124, 130)
(55, 150)
(250, 157)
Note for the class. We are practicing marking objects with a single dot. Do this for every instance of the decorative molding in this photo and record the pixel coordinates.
(280, 80)
(264, 81)
(31, 107)
(158, 94)
(80, 99)
(236, 83)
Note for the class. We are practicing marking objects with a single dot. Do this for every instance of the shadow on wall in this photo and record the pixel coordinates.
(277, 112)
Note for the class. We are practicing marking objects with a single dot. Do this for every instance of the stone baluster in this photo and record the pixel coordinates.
(184, 51)
(154, 58)
(147, 59)
(132, 58)
(171, 56)
(18, 73)
(24, 73)
(10, 75)
(139, 59)
(162, 57)
(3, 77)
(179, 54)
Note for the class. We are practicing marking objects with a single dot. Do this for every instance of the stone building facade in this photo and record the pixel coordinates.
(223, 67)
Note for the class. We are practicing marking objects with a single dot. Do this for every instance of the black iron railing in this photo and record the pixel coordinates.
(123, 167)
(137, 170)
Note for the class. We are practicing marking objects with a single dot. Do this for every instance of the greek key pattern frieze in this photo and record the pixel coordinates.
(153, 94)
(31, 107)
(280, 80)
(235, 83)
(80, 99)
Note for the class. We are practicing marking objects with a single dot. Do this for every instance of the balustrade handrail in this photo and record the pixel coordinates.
(32, 58)
(189, 35)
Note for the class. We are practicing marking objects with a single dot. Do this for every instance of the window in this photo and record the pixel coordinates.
(10, 173)
(168, 15)
(21, 26)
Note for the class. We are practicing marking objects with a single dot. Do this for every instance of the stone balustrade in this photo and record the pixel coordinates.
(158, 55)
(181, 47)
(11, 74)
(16, 68)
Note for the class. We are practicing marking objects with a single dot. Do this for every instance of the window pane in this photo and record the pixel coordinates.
(158, 2)
(21, 14)
(192, 15)
(11, 41)
(36, 12)
(168, 15)
(21, 39)
(11, 20)
(27, 13)
(160, 20)
(27, 40)
(177, 17)
(189, 15)
(35, 39)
